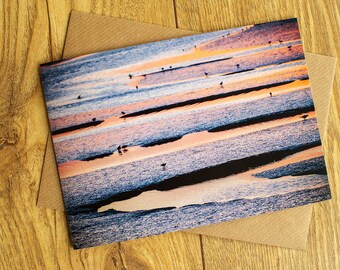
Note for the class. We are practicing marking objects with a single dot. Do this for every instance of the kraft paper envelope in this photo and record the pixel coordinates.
(88, 33)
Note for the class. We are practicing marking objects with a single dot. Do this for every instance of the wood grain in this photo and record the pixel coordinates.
(319, 25)
(33, 32)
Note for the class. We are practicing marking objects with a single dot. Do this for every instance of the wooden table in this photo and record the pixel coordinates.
(33, 32)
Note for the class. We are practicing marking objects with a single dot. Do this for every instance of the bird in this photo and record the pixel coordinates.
(304, 116)
(119, 147)
(124, 146)
(206, 73)
(223, 36)
(119, 152)
(221, 83)
(93, 119)
(280, 41)
(228, 34)
(195, 47)
(130, 76)
(163, 165)
(122, 113)
(271, 94)
(125, 150)
(238, 65)
(289, 47)
(170, 67)
(269, 42)
(144, 75)
(79, 97)
(136, 86)
(162, 69)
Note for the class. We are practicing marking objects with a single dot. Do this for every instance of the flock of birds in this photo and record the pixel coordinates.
(121, 149)
(124, 148)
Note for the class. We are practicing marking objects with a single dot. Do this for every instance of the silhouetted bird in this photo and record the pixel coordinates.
(130, 76)
(136, 86)
(93, 119)
(223, 36)
(170, 67)
(119, 147)
(289, 47)
(269, 42)
(271, 94)
(221, 83)
(163, 165)
(119, 152)
(206, 73)
(304, 116)
(79, 97)
(280, 41)
(124, 146)
(125, 150)
(122, 113)
(238, 65)
(144, 75)
(162, 69)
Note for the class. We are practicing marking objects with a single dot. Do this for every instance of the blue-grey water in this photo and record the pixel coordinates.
(93, 229)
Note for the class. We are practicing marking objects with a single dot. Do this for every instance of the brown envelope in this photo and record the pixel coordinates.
(88, 33)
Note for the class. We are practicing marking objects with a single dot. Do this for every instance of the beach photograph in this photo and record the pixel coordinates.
(186, 132)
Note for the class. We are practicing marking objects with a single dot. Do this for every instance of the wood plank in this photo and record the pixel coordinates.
(25, 231)
(319, 25)
(32, 238)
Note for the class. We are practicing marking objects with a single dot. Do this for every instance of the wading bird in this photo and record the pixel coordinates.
(304, 116)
